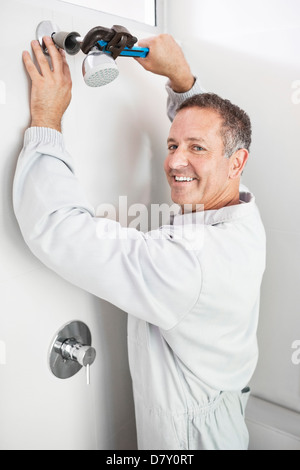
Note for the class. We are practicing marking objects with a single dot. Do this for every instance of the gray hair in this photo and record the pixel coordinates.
(236, 127)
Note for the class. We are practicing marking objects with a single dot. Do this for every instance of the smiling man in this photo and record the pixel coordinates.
(208, 148)
(192, 294)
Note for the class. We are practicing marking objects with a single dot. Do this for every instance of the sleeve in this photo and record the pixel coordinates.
(152, 276)
(176, 99)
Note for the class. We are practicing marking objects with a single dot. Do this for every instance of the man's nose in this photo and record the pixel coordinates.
(178, 159)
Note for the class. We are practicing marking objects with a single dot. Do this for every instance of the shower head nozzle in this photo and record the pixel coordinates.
(99, 69)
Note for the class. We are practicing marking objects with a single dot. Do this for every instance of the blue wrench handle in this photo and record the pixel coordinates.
(127, 52)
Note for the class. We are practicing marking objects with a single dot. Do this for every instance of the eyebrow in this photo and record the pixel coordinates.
(189, 139)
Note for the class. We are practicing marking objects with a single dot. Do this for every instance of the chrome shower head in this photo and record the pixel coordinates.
(98, 68)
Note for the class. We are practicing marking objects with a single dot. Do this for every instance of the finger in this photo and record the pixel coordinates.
(29, 65)
(66, 69)
(40, 57)
(144, 42)
(147, 62)
(56, 57)
(140, 60)
(144, 62)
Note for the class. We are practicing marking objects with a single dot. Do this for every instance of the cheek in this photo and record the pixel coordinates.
(213, 171)
(202, 168)
(225, 169)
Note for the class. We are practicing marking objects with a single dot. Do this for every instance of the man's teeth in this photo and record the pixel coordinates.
(183, 178)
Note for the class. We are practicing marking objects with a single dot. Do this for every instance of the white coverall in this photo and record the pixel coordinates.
(191, 290)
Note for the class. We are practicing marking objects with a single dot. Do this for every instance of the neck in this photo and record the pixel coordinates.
(231, 201)
(226, 199)
(230, 196)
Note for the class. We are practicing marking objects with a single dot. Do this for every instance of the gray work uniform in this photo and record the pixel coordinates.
(191, 290)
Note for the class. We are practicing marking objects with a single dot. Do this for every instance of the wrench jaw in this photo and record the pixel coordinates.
(117, 38)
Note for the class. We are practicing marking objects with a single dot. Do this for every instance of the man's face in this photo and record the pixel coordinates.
(196, 152)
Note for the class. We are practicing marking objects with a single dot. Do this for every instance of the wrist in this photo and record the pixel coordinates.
(182, 84)
(42, 122)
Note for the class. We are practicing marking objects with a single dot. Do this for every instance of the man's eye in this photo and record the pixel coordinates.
(172, 147)
(198, 148)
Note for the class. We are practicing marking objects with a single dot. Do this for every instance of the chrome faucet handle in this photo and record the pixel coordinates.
(68, 353)
(75, 351)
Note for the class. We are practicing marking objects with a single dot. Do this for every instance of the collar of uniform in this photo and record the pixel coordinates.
(218, 216)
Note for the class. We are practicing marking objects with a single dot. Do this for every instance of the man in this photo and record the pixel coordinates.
(191, 289)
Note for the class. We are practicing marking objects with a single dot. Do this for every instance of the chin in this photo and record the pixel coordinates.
(189, 205)
(181, 201)
(177, 200)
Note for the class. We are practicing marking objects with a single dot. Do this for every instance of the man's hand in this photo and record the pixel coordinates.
(51, 89)
(166, 58)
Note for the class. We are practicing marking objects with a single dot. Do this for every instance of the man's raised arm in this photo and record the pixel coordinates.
(166, 58)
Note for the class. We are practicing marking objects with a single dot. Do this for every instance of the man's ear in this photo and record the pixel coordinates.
(237, 163)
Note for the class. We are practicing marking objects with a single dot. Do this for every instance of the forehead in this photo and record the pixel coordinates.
(194, 122)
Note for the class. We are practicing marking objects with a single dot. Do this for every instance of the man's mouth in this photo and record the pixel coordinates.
(184, 179)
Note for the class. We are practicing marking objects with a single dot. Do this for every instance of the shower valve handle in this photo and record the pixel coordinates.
(71, 350)
(75, 351)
